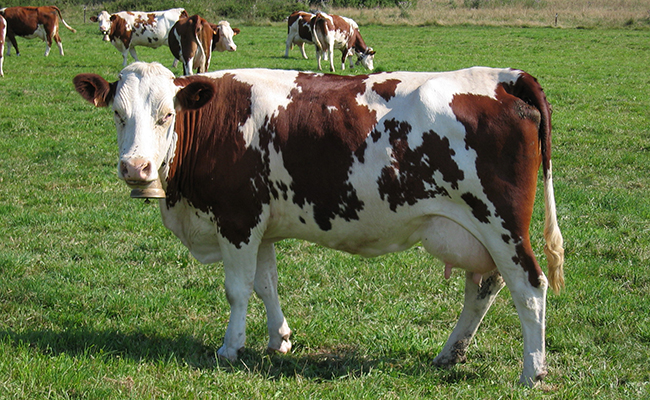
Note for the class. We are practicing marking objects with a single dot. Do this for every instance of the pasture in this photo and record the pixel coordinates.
(98, 300)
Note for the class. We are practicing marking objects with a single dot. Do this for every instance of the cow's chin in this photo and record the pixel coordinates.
(146, 190)
(106, 38)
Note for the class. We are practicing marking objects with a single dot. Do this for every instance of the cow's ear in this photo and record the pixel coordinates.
(93, 18)
(236, 30)
(95, 89)
(195, 95)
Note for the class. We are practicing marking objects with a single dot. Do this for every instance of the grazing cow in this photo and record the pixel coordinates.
(367, 164)
(299, 32)
(31, 22)
(193, 39)
(335, 32)
(127, 29)
(3, 35)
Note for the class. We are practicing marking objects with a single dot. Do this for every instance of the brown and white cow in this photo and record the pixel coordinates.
(3, 35)
(192, 40)
(299, 32)
(31, 22)
(128, 29)
(367, 164)
(335, 32)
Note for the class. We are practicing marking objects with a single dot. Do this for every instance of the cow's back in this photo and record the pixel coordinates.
(150, 29)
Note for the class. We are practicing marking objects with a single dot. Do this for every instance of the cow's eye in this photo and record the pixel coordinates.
(166, 118)
(118, 118)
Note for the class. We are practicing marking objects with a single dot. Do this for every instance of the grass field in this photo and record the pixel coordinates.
(98, 300)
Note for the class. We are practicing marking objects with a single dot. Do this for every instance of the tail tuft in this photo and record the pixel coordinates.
(554, 242)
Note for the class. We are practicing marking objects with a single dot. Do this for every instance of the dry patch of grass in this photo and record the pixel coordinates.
(570, 14)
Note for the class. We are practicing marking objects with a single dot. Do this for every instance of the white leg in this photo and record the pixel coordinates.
(133, 53)
(240, 266)
(319, 57)
(175, 63)
(531, 307)
(266, 287)
(60, 47)
(478, 300)
(187, 66)
(330, 54)
(47, 50)
(530, 302)
(289, 46)
(125, 54)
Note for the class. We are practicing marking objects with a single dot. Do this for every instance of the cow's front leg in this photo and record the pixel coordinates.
(240, 266)
(133, 53)
(266, 287)
(478, 299)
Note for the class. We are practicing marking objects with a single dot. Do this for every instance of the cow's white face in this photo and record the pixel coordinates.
(144, 116)
(367, 59)
(104, 20)
(223, 40)
(145, 100)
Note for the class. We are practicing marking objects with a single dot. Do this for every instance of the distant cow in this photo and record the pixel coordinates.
(335, 32)
(367, 164)
(31, 22)
(192, 40)
(3, 35)
(128, 29)
(299, 32)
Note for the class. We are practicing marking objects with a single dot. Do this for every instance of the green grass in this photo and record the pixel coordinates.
(98, 300)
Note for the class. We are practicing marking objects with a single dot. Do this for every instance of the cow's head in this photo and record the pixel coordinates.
(104, 19)
(367, 58)
(223, 36)
(145, 101)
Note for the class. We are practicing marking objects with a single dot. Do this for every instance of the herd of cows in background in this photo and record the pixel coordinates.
(191, 39)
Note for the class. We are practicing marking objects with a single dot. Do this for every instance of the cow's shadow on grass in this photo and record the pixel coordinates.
(187, 350)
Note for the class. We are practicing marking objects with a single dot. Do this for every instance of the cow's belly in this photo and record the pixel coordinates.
(38, 33)
(148, 39)
(195, 230)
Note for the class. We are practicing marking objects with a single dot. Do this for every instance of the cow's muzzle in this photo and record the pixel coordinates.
(140, 175)
(106, 38)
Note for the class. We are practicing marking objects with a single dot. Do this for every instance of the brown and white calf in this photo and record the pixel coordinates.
(31, 22)
(3, 35)
(192, 40)
(299, 32)
(128, 29)
(367, 164)
(335, 32)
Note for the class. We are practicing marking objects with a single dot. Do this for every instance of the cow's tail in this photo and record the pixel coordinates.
(528, 89)
(62, 20)
(317, 20)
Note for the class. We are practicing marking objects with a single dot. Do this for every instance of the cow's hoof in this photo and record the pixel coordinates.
(532, 382)
(229, 355)
(285, 348)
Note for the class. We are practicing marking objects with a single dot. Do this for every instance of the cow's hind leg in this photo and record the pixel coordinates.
(57, 39)
(478, 299)
(530, 301)
(266, 287)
